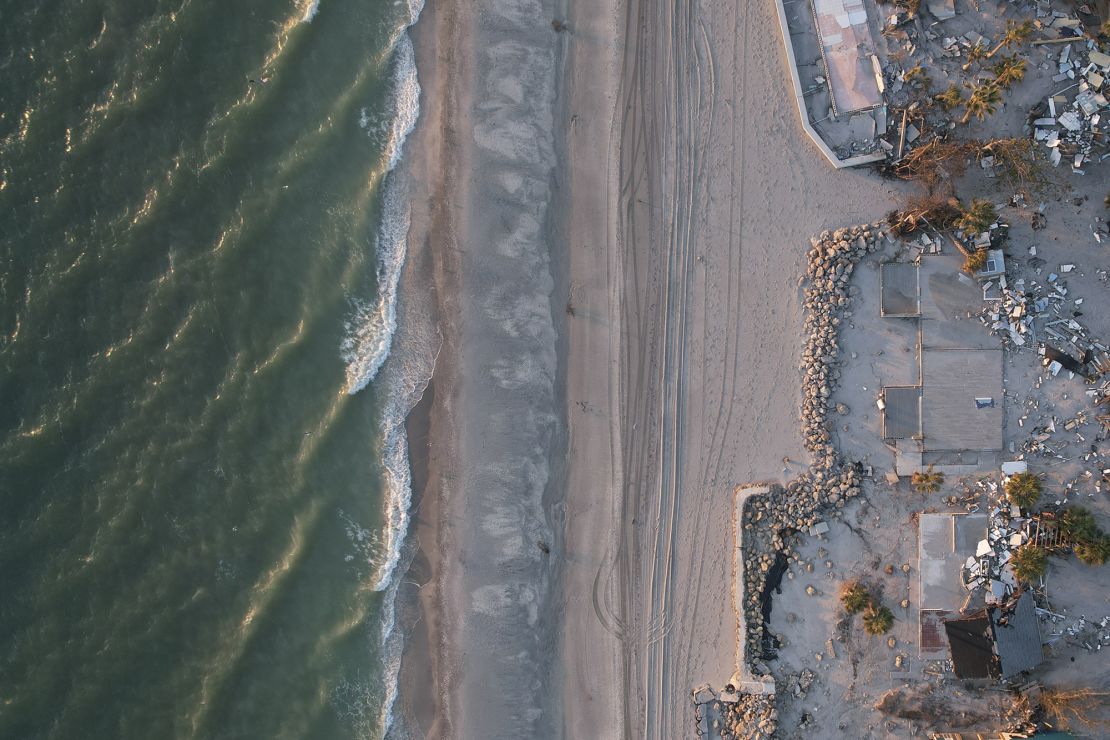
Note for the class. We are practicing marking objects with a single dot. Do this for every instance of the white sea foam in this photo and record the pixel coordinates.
(310, 11)
(371, 328)
(367, 344)
(398, 489)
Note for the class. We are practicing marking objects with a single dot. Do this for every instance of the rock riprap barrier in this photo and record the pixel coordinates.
(830, 481)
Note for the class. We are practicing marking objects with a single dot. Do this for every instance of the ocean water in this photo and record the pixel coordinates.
(203, 466)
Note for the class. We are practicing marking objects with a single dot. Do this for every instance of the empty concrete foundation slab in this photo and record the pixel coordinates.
(900, 291)
(944, 542)
(901, 417)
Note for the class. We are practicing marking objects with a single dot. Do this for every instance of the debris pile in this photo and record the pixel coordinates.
(1069, 127)
(990, 567)
(1090, 634)
(1007, 313)
(1012, 312)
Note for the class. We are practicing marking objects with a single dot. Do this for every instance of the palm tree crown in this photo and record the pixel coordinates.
(982, 102)
(1015, 34)
(1009, 69)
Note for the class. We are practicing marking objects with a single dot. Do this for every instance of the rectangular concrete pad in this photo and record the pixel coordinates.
(901, 295)
(902, 415)
(951, 381)
(944, 542)
(846, 46)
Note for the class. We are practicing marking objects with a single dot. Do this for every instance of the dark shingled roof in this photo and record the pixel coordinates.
(996, 642)
(970, 641)
(1017, 636)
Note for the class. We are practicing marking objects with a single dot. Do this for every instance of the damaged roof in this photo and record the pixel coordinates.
(1017, 636)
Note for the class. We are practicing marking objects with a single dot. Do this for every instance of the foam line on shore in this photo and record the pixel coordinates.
(371, 328)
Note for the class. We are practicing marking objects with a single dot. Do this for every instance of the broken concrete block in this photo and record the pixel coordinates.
(942, 10)
(1099, 59)
(1070, 121)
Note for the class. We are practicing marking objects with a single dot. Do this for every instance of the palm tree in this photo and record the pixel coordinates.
(951, 98)
(877, 619)
(1015, 34)
(1077, 523)
(1095, 551)
(927, 481)
(1009, 69)
(1029, 563)
(978, 217)
(1023, 489)
(982, 102)
(855, 597)
(974, 54)
(1089, 543)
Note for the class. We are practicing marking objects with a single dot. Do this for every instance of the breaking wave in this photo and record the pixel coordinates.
(406, 379)
(367, 343)
(310, 11)
(372, 325)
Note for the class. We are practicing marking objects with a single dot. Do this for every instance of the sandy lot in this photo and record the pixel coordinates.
(717, 195)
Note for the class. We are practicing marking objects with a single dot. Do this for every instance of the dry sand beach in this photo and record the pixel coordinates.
(615, 217)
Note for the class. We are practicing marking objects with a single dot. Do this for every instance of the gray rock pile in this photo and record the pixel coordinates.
(753, 717)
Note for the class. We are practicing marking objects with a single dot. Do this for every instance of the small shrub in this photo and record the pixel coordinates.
(855, 597)
(877, 619)
(916, 76)
(927, 481)
(1023, 489)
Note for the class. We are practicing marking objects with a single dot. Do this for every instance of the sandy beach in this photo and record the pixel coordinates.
(616, 216)
(483, 177)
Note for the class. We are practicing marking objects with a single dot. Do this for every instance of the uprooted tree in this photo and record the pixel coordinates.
(1072, 708)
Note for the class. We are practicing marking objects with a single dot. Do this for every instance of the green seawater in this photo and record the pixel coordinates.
(191, 502)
